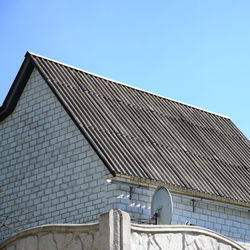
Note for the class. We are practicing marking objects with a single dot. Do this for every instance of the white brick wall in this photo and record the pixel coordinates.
(230, 221)
(135, 201)
(48, 171)
(50, 174)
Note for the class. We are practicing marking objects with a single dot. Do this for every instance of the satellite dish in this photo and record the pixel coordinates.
(161, 207)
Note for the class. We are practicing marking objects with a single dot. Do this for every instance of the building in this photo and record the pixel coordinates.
(74, 145)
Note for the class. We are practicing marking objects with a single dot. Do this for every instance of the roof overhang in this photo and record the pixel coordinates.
(193, 194)
(12, 99)
(17, 88)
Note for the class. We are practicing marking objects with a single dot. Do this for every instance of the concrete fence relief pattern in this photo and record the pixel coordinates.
(55, 237)
(178, 237)
(115, 231)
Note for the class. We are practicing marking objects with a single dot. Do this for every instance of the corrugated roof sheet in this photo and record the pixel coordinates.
(140, 134)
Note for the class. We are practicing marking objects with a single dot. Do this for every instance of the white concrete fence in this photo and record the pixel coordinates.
(115, 231)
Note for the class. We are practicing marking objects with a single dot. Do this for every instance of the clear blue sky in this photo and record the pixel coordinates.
(197, 52)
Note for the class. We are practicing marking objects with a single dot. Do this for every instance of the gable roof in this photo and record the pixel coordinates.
(140, 134)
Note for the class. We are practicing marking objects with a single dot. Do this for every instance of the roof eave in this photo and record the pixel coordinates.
(16, 89)
(151, 184)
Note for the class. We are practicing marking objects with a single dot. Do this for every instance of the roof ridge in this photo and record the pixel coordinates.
(129, 156)
(128, 85)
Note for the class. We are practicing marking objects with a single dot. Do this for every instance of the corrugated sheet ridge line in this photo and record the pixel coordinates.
(158, 111)
(124, 147)
(181, 106)
(33, 55)
(121, 93)
(117, 123)
(94, 116)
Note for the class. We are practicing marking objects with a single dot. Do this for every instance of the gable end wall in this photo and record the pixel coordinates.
(48, 171)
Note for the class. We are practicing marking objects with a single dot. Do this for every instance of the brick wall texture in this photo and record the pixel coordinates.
(50, 174)
(48, 171)
(230, 221)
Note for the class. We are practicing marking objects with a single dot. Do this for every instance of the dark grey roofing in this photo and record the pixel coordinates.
(140, 134)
